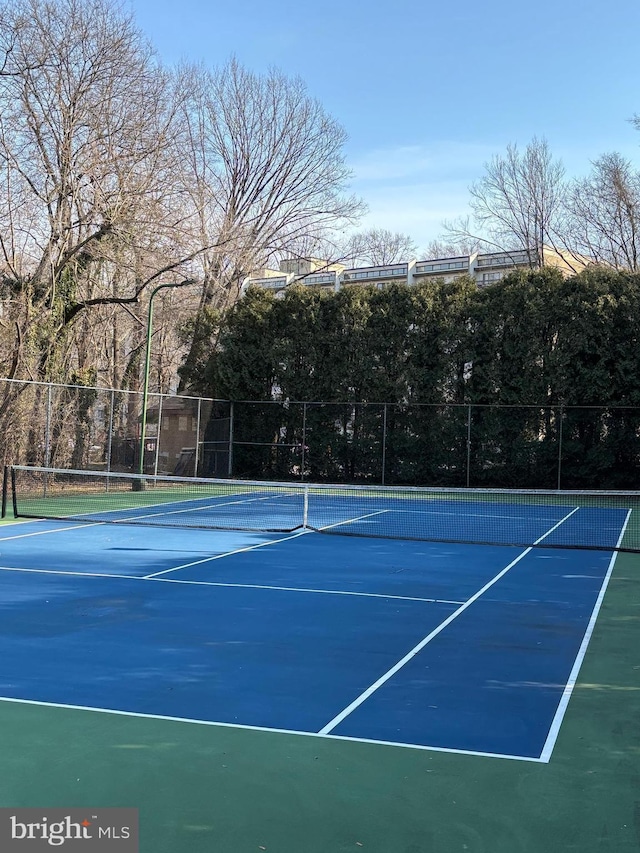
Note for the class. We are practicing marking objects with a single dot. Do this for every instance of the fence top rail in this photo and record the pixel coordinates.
(547, 406)
(101, 388)
(444, 405)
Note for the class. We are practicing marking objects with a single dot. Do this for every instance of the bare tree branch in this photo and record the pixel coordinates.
(603, 213)
(379, 246)
(517, 203)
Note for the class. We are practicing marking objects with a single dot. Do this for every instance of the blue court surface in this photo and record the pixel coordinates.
(414, 643)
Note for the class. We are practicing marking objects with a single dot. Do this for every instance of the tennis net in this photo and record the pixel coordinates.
(523, 518)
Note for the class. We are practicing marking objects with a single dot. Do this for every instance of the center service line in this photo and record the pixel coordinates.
(155, 575)
(302, 532)
(414, 651)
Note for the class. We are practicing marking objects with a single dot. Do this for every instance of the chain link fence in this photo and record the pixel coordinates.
(439, 445)
(85, 428)
(73, 426)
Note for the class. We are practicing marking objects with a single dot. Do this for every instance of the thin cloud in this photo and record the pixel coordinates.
(414, 161)
(419, 212)
(415, 188)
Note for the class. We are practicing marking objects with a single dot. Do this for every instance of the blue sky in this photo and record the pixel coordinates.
(428, 92)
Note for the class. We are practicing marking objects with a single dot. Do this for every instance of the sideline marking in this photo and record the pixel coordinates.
(418, 648)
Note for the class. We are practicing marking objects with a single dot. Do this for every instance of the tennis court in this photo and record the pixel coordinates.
(226, 607)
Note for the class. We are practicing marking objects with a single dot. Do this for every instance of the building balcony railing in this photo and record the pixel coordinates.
(269, 283)
(365, 274)
(488, 278)
(503, 259)
(321, 279)
(439, 266)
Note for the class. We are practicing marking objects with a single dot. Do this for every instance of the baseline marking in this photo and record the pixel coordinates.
(243, 727)
(554, 729)
(417, 648)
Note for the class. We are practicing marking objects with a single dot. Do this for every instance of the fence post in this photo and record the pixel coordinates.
(159, 427)
(230, 460)
(384, 441)
(195, 462)
(110, 430)
(304, 440)
(47, 430)
(468, 478)
(560, 446)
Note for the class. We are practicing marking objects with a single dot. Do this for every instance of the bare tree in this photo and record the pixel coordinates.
(264, 167)
(379, 246)
(87, 215)
(116, 174)
(8, 38)
(444, 248)
(517, 203)
(266, 170)
(603, 213)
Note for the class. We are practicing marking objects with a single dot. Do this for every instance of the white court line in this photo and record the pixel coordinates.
(242, 727)
(226, 554)
(351, 520)
(121, 521)
(468, 514)
(54, 530)
(414, 651)
(312, 590)
(121, 509)
(260, 545)
(69, 573)
(554, 729)
(104, 512)
(189, 509)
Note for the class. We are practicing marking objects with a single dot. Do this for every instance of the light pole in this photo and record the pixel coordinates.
(147, 368)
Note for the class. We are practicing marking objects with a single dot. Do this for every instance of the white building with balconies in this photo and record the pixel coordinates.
(486, 268)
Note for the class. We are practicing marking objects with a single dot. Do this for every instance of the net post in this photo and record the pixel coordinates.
(137, 485)
(5, 486)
